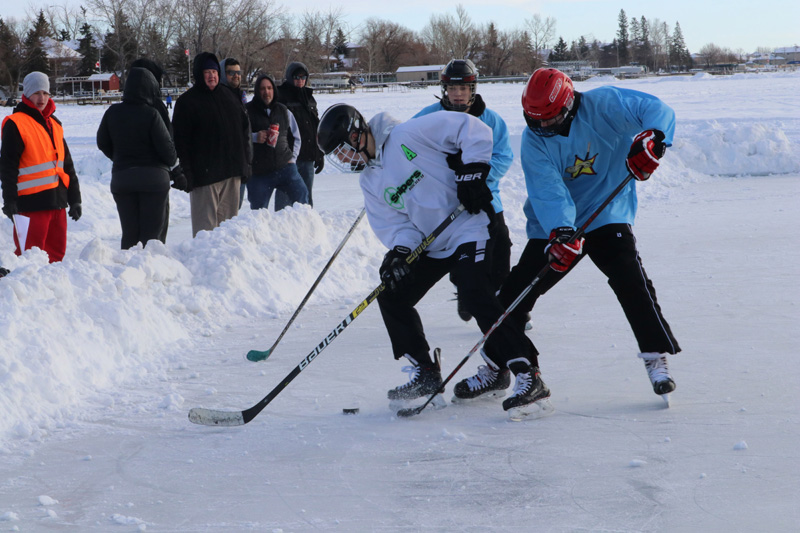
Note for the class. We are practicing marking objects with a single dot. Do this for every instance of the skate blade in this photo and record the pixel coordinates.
(485, 396)
(538, 409)
(666, 399)
(438, 402)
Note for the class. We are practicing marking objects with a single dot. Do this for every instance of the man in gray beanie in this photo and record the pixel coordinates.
(36, 172)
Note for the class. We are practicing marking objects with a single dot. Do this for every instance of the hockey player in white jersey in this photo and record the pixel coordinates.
(413, 175)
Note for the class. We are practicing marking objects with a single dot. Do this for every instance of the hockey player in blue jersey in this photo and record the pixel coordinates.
(577, 148)
(459, 80)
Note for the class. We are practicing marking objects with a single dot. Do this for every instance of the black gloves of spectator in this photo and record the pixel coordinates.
(178, 179)
(75, 211)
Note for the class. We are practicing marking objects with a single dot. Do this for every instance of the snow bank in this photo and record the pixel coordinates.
(83, 326)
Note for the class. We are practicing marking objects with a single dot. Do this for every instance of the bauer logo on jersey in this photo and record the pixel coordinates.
(582, 166)
(394, 196)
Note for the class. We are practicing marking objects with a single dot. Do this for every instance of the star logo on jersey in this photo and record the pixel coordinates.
(582, 166)
(410, 154)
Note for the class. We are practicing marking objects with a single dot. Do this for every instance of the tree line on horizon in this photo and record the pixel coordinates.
(263, 36)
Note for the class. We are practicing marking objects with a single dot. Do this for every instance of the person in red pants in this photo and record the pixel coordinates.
(38, 177)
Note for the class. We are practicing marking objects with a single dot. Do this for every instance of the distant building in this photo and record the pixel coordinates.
(103, 82)
(421, 73)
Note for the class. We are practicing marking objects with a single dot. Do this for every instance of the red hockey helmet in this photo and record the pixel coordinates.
(547, 100)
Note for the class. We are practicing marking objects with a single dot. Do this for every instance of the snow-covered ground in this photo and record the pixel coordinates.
(102, 356)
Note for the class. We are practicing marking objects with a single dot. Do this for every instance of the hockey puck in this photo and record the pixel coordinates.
(353, 411)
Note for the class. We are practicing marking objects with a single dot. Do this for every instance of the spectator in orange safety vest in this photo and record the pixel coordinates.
(38, 178)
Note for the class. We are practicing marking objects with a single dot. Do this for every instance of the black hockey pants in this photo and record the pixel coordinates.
(469, 269)
(612, 248)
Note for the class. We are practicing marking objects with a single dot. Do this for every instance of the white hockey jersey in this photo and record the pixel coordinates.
(409, 189)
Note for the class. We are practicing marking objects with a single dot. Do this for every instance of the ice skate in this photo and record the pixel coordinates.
(658, 372)
(487, 383)
(424, 380)
(531, 397)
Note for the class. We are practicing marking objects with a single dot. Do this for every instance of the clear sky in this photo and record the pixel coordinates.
(737, 25)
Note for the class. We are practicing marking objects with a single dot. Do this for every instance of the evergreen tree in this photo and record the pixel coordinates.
(88, 63)
(9, 57)
(646, 47)
(33, 49)
(634, 47)
(340, 43)
(622, 41)
(679, 55)
(120, 47)
(560, 51)
(177, 66)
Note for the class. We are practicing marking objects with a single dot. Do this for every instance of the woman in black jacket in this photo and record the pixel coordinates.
(134, 136)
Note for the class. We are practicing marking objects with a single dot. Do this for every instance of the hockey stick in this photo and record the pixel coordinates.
(212, 417)
(412, 411)
(256, 355)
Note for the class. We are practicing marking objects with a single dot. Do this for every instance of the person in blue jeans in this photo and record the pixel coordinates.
(276, 144)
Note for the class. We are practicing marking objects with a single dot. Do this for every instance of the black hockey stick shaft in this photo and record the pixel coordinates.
(212, 417)
(411, 411)
(256, 355)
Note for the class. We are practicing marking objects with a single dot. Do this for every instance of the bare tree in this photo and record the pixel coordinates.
(497, 48)
(541, 32)
(317, 31)
(448, 36)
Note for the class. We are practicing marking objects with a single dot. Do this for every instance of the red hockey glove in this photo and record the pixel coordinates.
(560, 252)
(647, 148)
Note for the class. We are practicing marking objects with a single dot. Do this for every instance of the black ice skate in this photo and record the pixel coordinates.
(487, 383)
(424, 380)
(658, 372)
(531, 397)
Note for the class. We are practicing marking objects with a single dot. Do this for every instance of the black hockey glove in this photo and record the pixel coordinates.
(394, 271)
(472, 189)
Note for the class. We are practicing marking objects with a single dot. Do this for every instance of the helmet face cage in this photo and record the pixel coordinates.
(458, 72)
(347, 159)
(339, 136)
(552, 126)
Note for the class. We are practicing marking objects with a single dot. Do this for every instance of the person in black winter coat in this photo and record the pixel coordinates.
(276, 143)
(294, 94)
(156, 70)
(212, 138)
(133, 135)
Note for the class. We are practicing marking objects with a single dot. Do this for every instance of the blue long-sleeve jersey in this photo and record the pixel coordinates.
(502, 156)
(569, 177)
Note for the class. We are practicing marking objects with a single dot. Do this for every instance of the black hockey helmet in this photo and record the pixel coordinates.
(339, 136)
(458, 72)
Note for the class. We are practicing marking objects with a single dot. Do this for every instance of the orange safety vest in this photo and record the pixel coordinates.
(41, 164)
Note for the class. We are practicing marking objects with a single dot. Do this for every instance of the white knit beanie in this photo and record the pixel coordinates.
(34, 82)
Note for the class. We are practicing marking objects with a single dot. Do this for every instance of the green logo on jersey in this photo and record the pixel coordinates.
(394, 196)
(409, 154)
